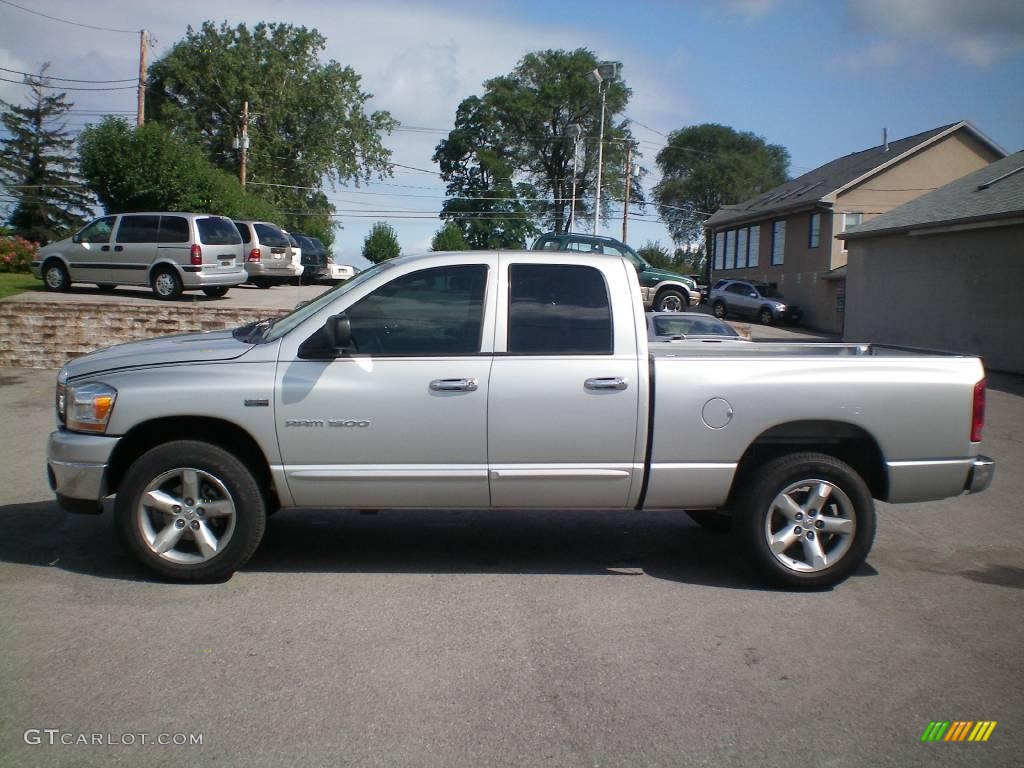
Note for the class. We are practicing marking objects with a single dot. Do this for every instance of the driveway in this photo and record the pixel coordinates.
(507, 638)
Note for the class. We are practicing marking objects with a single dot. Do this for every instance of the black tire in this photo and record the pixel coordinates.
(843, 527)
(165, 284)
(262, 282)
(671, 300)
(719, 309)
(55, 276)
(215, 292)
(220, 479)
(711, 519)
(106, 287)
(765, 316)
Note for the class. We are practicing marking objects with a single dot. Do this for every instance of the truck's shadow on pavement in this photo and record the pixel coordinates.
(663, 545)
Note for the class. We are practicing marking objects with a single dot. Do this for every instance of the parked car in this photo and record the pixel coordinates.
(660, 289)
(688, 326)
(336, 273)
(314, 258)
(701, 286)
(269, 259)
(508, 380)
(295, 251)
(170, 252)
(758, 301)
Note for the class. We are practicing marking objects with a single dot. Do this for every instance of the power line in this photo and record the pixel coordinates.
(70, 88)
(67, 21)
(41, 77)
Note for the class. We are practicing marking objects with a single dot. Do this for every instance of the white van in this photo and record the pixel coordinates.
(171, 252)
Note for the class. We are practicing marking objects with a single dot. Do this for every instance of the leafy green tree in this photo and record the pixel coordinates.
(308, 120)
(510, 156)
(449, 238)
(150, 169)
(381, 243)
(657, 255)
(707, 166)
(37, 165)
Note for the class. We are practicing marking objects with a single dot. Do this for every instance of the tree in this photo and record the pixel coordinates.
(449, 238)
(308, 120)
(510, 156)
(149, 169)
(707, 166)
(381, 244)
(657, 255)
(38, 167)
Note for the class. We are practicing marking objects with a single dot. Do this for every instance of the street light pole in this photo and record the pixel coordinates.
(606, 72)
(575, 131)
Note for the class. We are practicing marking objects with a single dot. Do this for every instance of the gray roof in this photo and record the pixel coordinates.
(994, 192)
(809, 189)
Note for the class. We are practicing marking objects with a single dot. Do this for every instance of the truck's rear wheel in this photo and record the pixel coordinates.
(807, 520)
(190, 511)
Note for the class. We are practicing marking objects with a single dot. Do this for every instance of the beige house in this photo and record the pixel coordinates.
(788, 235)
(944, 271)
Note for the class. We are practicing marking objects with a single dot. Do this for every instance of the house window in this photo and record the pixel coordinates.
(778, 242)
(814, 232)
(719, 250)
(754, 246)
(730, 249)
(851, 220)
(741, 248)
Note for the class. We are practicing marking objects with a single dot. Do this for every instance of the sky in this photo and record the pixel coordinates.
(820, 77)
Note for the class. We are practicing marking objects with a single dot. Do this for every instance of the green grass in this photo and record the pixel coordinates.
(12, 283)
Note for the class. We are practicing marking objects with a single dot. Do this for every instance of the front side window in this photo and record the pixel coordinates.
(740, 289)
(216, 230)
(138, 229)
(430, 313)
(558, 309)
(97, 232)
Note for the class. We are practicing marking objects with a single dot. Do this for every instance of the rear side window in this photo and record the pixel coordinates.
(215, 230)
(138, 229)
(174, 229)
(271, 235)
(558, 309)
(243, 230)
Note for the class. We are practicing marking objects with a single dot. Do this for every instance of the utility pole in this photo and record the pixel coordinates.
(600, 158)
(140, 116)
(244, 143)
(629, 183)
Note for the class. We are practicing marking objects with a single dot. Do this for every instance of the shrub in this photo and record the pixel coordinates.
(16, 254)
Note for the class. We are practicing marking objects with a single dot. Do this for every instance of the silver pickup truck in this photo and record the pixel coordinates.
(507, 380)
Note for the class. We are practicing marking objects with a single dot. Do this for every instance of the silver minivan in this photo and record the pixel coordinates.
(270, 259)
(170, 252)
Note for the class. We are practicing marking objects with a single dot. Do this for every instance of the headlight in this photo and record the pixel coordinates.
(87, 407)
(780, 307)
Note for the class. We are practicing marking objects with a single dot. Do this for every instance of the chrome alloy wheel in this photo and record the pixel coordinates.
(810, 525)
(186, 516)
(672, 303)
(164, 284)
(55, 277)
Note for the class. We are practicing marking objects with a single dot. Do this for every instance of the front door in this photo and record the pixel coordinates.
(400, 421)
(563, 409)
(89, 257)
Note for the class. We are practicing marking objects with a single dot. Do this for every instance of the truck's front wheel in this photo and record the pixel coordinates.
(807, 520)
(190, 511)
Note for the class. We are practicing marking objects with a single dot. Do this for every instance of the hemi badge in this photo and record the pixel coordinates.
(257, 403)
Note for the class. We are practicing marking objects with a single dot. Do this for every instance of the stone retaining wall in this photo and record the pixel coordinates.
(35, 334)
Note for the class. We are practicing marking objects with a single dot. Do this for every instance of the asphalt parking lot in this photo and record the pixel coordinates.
(507, 638)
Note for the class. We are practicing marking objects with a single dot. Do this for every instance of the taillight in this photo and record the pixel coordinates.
(978, 412)
(254, 255)
(196, 254)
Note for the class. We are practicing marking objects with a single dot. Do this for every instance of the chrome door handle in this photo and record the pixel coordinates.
(606, 382)
(453, 385)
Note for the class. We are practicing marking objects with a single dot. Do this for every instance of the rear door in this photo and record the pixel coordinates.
(175, 240)
(566, 387)
(402, 420)
(134, 248)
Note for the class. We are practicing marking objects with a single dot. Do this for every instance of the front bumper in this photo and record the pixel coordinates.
(76, 464)
(980, 477)
(36, 268)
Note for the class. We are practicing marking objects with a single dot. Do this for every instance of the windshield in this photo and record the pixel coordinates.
(281, 326)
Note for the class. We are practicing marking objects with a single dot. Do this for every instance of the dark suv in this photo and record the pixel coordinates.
(662, 291)
(314, 258)
(758, 301)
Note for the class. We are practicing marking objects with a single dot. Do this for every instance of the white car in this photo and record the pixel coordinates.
(689, 326)
(339, 272)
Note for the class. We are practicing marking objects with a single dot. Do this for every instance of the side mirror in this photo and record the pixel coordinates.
(753, 295)
(338, 331)
(76, 238)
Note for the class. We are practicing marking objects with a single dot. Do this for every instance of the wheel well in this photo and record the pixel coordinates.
(680, 289)
(846, 442)
(49, 260)
(162, 266)
(223, 434)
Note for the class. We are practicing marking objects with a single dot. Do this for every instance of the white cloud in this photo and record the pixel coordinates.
(873, 58)
(979, 32)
